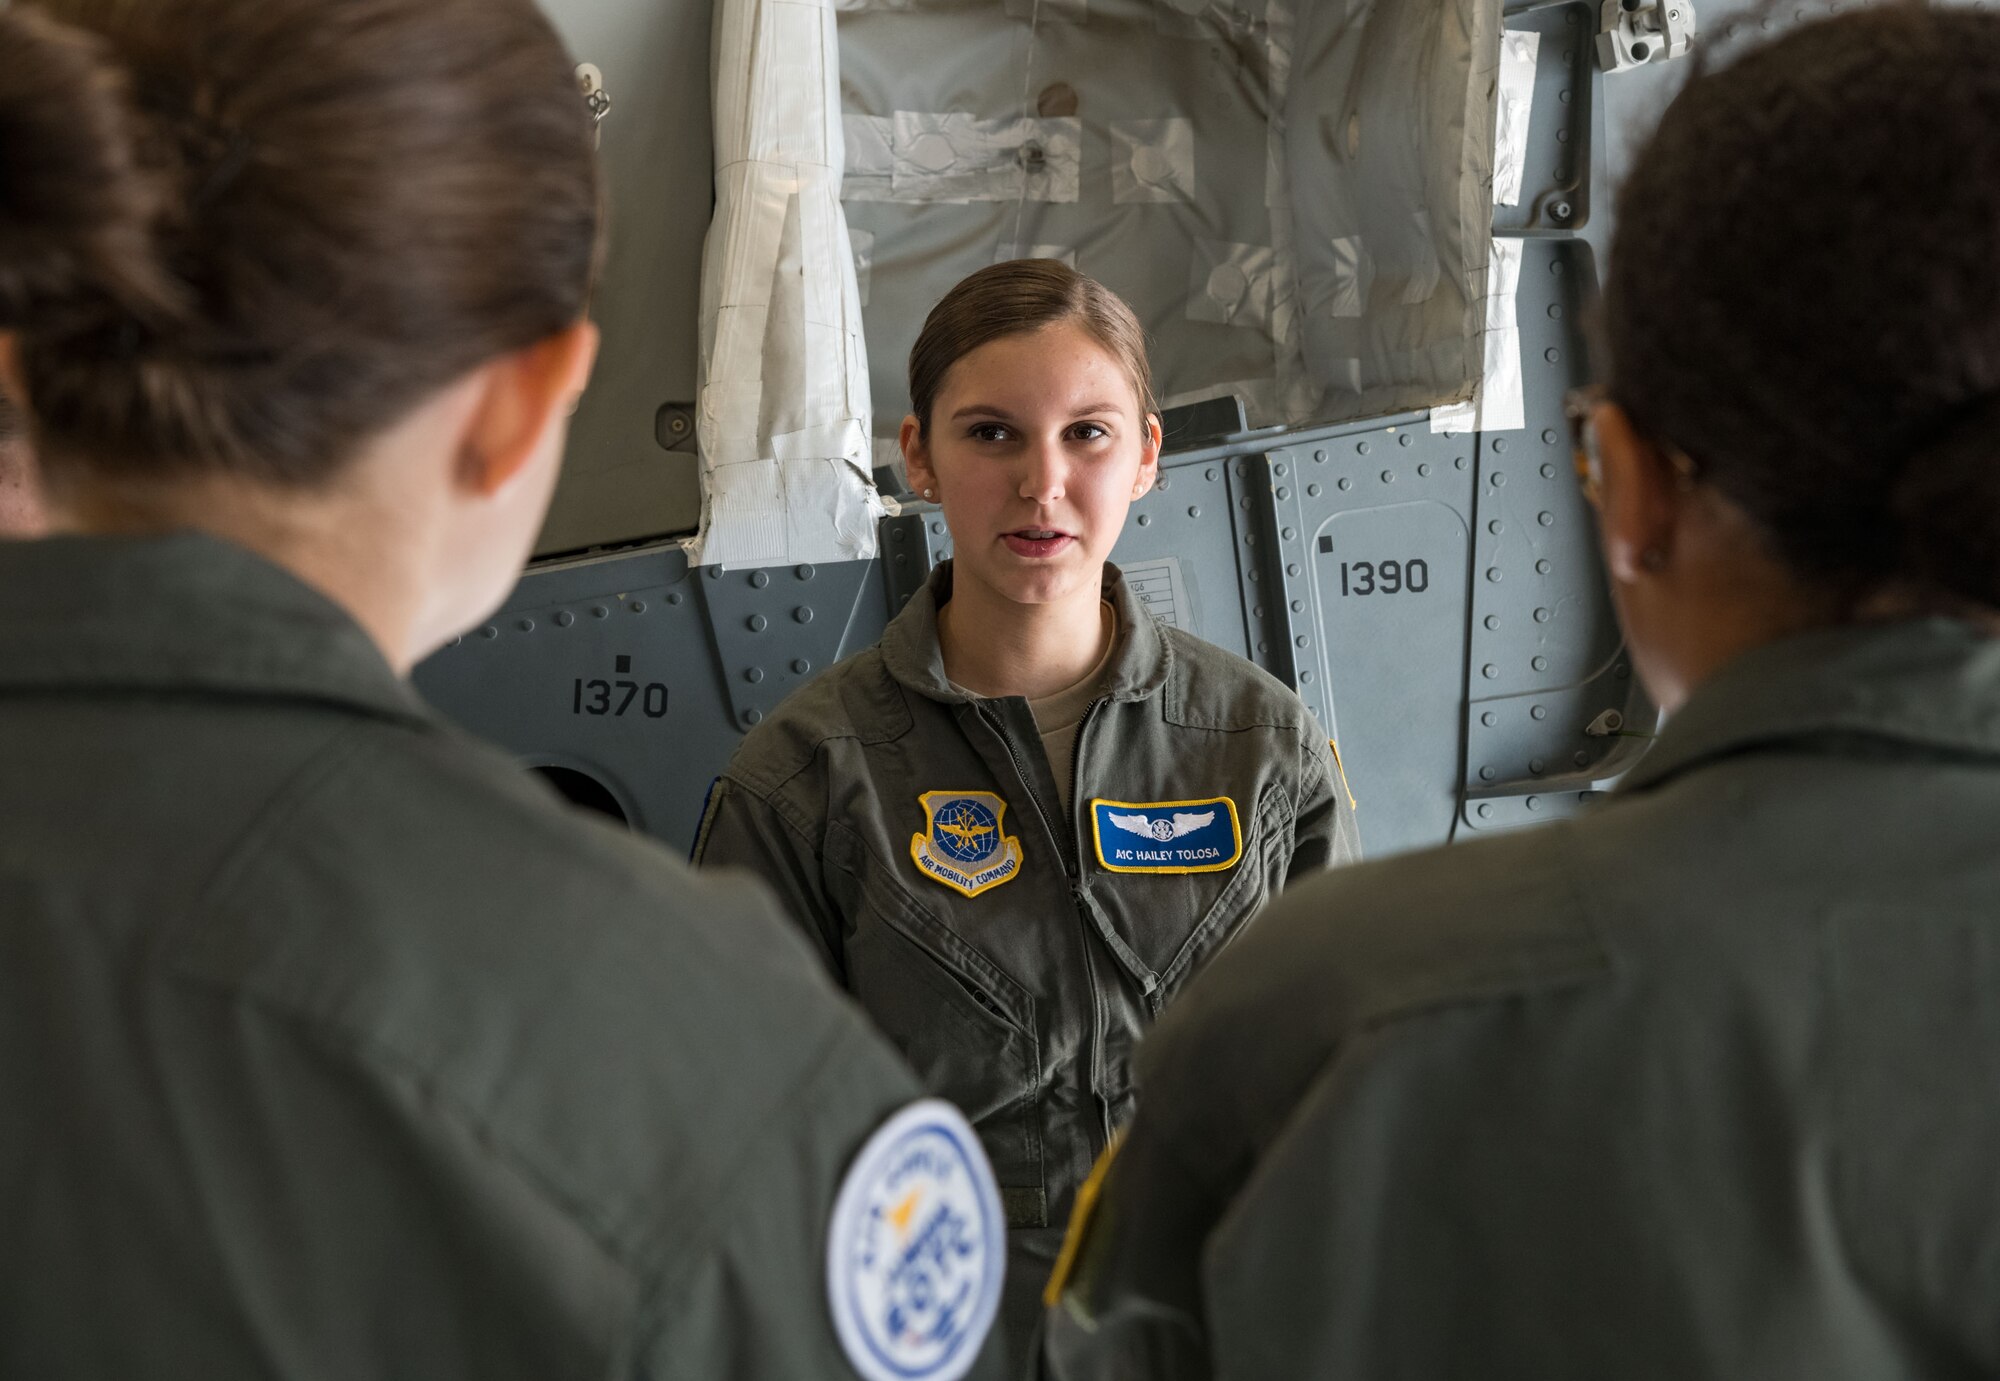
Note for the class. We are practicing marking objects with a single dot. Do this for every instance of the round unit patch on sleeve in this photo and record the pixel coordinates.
(918, 1248)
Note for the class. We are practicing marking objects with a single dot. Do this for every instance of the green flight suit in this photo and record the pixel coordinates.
(1021, 1002)
(1702, 1084)
(332, 1046)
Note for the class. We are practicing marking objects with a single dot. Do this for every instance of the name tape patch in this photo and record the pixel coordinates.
(1167, 836)
(965, 844)
(917, 1250)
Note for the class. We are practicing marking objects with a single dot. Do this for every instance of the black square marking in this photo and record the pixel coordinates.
(624, 664)
(1326, 544)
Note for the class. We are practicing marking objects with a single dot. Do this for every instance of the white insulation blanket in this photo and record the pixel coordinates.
(783, 414)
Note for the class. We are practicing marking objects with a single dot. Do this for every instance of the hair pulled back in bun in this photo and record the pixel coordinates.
(243, 236)
(1804, 295)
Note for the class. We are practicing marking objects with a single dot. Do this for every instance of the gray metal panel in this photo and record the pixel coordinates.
(1556, 182)
(618, 483)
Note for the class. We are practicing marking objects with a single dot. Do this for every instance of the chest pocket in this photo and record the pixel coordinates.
(966, 1028)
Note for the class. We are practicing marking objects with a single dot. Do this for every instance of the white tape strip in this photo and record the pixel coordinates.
(1500, 404)
(782, 417)
(1518, 52)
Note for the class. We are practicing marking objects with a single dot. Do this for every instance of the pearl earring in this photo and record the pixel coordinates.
(930, 493)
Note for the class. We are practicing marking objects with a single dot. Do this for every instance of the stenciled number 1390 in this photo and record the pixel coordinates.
(1411, 577)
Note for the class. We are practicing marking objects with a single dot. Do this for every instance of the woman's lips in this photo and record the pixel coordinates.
(1036, 543)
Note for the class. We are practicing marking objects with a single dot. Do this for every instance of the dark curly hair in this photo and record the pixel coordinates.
(1804, 296)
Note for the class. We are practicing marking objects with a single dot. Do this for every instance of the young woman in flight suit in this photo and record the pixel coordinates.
(1700, 1085)
(331, 1044)
(1019, 823)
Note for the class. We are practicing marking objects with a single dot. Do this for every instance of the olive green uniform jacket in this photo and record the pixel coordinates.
(1701, 1085)
(1022, 1004)
(331, 1046)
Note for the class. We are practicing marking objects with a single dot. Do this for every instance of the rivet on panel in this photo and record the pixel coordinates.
(1489, 671)
(1493, 574)
(1496, 527)
(1209, 473)
(1546, 519)
(937, 529)
(1312, 491)
(1302, 640)
(803, 613)
(1492, 622)
(1487, 774)
(1278, 470)
(1254, 576)
(489, 632)
(1388, 477)
(565, 619)
(805, 572)
(1346, 483)
(1298, 606)
(1458, 462)
(753, 675)
(1283, 492)
(1538, 712)
(1535, 766)
(526, 625)
(1543, 568)
(1499, 444)
(1292, 569)
(1540, 664)
(1553, 356)
(1305, 678)
(756, 623)
(1485, 811)
(1405, 439)
(1549, 437)
(1320, 456)
(1548, 472)
(1286, 533)
(1244, 503)
(1582, 758)
(1145, 520)
(753, 716)
(598, 611)
(1424, 470)
(715, 572)
(1256, 611)
(1489, 719)
(1497, 479)
(759, 579)
(1361, 448)
(1263, 646)
(637, 606)
(1533, 803)
(1194, 510)
(801, 665)
(1544, 615)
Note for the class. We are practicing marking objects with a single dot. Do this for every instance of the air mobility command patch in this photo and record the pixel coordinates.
(965, 844)
(1167, 836)
(917, 1249)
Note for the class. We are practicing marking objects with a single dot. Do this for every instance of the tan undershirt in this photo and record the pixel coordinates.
(1057, 716)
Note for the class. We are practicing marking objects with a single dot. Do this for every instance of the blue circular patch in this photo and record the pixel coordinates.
(917, 1249)
(966, 831)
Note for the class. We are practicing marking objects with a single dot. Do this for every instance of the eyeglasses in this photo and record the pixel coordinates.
(1580, 406)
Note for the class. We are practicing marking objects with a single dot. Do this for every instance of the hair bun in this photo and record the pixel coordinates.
(77, 211)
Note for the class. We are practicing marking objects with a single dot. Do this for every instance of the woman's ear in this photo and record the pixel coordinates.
(524, 395)
(1149, 459)
(917, 459)
(1638, 504)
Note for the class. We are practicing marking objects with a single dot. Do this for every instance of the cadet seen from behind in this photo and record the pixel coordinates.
(1702, 1084)
(1019, 823)
(330, 1045)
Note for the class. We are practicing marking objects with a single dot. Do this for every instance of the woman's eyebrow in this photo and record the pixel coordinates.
(982, 410)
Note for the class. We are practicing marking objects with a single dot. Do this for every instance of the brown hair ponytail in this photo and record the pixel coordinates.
(242, 236)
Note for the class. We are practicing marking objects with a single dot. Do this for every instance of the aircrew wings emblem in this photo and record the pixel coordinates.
(1146, 827)
(965, 844)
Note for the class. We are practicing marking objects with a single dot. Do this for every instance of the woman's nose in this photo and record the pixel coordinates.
(1047, 472)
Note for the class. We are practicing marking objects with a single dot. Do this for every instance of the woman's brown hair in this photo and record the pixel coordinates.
(243, 236)
(1016, 296)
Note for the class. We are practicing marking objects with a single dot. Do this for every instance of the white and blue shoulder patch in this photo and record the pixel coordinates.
(1167, 836)
(918, 1249)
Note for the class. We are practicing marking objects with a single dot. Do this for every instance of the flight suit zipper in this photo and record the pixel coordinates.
(1071, 851)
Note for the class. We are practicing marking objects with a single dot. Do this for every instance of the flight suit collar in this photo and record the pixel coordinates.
(1928, 682)
(1140, 659)
(183, 612)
